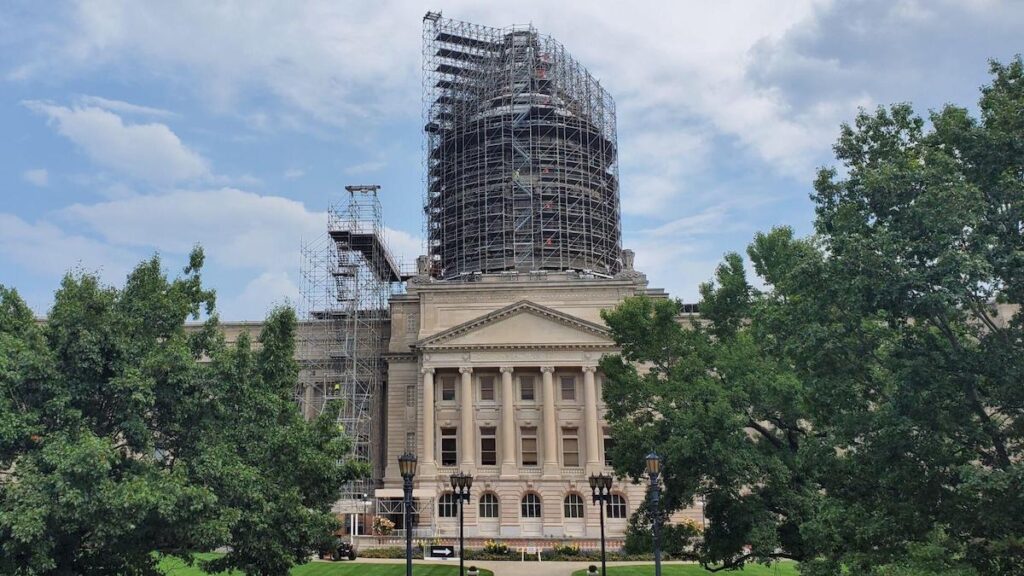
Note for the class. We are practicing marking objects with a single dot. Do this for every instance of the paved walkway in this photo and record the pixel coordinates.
(505, 568)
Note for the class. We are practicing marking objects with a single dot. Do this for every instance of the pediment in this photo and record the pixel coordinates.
(521, 325)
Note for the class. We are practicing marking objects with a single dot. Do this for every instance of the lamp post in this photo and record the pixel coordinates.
(601, 486)
(407, 466)
(461, 484)
(654, 470)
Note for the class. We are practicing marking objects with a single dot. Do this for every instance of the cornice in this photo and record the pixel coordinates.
(436, 341)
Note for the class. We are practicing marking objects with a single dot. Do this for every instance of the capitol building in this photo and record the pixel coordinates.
(483, 360)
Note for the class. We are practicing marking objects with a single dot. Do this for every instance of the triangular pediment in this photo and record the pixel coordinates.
(521, 325)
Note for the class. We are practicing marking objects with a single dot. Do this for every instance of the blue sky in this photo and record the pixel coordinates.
(134, 127)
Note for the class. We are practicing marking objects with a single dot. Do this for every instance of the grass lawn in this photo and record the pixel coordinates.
(174, 567)
(780, 569)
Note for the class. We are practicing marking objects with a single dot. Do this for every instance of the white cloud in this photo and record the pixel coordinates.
(365, 167)
(294, 173)
(242, 233)
(47, 250)
(404, 246)
(238, 229)
(148, 152)
(660, 163)
(123, 107)
(37, 177)
(259, 296)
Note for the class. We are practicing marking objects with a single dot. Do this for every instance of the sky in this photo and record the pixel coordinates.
(129, 128)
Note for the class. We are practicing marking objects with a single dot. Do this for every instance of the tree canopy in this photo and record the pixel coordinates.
(124, 436)
(863, 409)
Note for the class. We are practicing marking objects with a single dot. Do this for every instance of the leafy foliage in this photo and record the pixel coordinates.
(870, 398)
(117, 442)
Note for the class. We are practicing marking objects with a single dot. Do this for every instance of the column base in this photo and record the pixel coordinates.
(509, 471)
(551, 472)
(427, 469)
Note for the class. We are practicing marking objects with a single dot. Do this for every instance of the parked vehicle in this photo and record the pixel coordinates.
(339, 550)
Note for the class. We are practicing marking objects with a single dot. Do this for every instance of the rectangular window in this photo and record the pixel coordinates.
(410, 395)
(526, 391)
(449, 447)
(487, 388)
(410, 442)
(488, 447)
(529, 445)
(570, 447)
(448, 389)
(568, 388)
(609, 444)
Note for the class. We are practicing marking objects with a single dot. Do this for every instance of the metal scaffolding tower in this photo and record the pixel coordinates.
(348, 275)
(521, 162)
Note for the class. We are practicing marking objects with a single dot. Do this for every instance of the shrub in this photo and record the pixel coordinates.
(677, 540)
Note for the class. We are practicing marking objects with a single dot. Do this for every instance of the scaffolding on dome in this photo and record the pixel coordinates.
(521, 160)
(348, 275)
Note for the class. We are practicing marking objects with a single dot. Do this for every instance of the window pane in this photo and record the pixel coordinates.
(526, 388)
(609, 444)
(449, 447)
(531, 506)
(529, 445)
(410, 396)
(487, 388)
(616, 507)
(570, 447)
(488, 447)
(448, 389)
(488, 506)
(573, 506)
(568, 388)
(447, 506)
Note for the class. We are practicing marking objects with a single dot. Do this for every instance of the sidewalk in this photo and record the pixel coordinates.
(506, 568)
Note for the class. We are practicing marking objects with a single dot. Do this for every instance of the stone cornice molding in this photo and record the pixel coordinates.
(438, 340)
(509, 347)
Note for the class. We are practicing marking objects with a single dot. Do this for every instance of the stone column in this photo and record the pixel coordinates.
(593, 438)
(550, 434)
(428, 461)
(468, 448)
(508, 428)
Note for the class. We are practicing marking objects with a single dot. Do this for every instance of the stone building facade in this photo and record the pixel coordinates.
(499, 378)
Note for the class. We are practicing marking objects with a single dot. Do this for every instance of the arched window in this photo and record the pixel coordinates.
(488, 505)
(573, 506)
(447, 506)
(617, 506)
(531, 505)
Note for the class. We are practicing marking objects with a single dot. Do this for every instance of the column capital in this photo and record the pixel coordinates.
(426, 370)
(506, 369)
(547, 369)
(590, 369)
(465, 370)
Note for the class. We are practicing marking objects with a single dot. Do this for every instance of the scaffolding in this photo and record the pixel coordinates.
(521, 161)
(348, 275)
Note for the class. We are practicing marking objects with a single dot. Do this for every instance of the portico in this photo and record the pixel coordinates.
(501, 380)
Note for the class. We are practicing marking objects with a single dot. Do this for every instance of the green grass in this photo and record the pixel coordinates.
(780, 569)
(175, 567)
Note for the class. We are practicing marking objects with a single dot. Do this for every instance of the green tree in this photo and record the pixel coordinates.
(865, 408)
(117, 444)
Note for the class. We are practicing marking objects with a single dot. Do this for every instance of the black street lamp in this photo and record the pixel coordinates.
(461, 484)
(654, 470)
(601, 486)
(407, 466)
